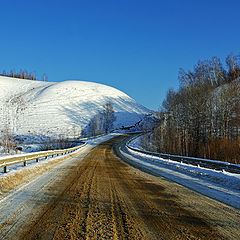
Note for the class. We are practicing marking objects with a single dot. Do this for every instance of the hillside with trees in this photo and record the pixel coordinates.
(102, 122)
(202, 118)
(38, 111)
(22, 74)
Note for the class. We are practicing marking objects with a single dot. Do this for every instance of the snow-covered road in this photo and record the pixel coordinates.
(222, 186)
(92, 194)
(17, 205)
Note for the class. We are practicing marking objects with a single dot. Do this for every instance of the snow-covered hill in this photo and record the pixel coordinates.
(60, 108)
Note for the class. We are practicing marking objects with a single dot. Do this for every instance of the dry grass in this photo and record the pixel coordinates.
(13, 179)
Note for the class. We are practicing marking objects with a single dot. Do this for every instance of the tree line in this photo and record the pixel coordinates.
(22, 74)
(102, 122)
(202, 117)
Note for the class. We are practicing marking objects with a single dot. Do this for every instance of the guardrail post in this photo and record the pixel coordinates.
(25, 164)
(5, 169)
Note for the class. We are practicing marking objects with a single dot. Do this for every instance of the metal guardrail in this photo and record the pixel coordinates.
(12, 160)
(205, 163)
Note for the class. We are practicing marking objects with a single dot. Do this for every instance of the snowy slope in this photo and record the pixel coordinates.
(54, 108)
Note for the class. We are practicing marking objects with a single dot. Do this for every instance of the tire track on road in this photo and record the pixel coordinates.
(102, 197)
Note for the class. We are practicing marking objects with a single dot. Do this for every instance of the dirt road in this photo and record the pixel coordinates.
(104, 198)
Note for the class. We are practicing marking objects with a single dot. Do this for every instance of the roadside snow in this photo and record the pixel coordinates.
(90, 143)
(222, 186)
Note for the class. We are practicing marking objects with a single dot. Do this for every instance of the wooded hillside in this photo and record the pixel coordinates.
(202, 118)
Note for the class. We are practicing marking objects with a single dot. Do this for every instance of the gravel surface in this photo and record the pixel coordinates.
(98, 196)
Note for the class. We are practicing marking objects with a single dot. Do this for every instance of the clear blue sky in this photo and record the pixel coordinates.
(136, 46)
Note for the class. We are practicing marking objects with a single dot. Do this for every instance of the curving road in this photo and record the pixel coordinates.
(98, 196)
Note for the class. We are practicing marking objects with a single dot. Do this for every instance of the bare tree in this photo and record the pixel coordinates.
(108, 116)
(102, 122)
(44, 78)
(202, 118)
(8, 142)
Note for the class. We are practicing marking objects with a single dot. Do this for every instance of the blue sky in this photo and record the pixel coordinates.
(136, 46)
